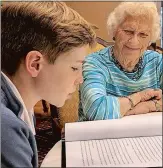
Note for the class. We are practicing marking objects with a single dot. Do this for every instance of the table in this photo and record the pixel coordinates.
(53, 158)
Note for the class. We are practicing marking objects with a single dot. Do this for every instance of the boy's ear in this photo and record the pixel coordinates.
(33, 62)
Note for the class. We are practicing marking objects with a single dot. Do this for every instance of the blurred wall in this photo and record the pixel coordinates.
(97, 13)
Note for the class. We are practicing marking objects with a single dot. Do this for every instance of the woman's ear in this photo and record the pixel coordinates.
(114, 35)
(33, 63)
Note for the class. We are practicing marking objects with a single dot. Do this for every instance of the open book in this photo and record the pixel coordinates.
(133, 141)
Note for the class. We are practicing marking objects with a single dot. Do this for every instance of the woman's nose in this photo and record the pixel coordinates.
(134, 39)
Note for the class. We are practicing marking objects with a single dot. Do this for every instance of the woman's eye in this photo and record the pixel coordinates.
(74, 69)
(143, 35)
(129, 32)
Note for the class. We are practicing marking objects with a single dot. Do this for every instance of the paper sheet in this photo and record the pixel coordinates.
(124, 152)
(130, 126)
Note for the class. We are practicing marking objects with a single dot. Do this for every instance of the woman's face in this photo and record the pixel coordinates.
(133, 37)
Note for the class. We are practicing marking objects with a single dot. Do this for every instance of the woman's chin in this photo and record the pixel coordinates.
(131, 50)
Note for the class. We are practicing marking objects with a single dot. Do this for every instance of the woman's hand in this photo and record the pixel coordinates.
(148, 94)
(146, 107)
(158, 104)
(139, 100)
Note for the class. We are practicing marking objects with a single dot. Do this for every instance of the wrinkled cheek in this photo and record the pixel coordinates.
(145, 44)
(121, 41)
(120, 46)
(143, 49)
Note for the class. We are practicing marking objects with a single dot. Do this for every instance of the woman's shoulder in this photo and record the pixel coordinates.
(98, 56)
(102, 51)
(152, 56)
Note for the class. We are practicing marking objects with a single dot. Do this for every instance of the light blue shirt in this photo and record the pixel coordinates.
(104, 82)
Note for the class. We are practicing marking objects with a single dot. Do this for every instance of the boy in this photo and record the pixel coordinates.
(43, 47)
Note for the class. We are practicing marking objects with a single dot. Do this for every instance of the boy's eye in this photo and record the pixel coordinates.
(74, 69)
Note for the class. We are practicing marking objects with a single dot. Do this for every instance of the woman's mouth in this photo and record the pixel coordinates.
(132, 48)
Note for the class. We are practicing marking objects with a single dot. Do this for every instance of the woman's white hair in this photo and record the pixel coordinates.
(147, 10)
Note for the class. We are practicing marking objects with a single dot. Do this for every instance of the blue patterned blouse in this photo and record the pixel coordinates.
(104, 82)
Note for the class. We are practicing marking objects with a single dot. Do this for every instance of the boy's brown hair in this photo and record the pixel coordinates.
(51, 28)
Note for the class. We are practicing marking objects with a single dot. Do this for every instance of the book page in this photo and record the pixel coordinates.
(124, 152)
(130, 126)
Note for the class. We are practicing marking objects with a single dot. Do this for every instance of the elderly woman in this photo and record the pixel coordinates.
(126, 78)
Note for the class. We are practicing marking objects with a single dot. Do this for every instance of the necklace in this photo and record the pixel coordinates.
(137, 69)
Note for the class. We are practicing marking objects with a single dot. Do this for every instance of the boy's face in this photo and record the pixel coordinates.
(56, 82)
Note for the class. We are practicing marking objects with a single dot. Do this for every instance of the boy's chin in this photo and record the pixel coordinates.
(61, 103)
(69, 96)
